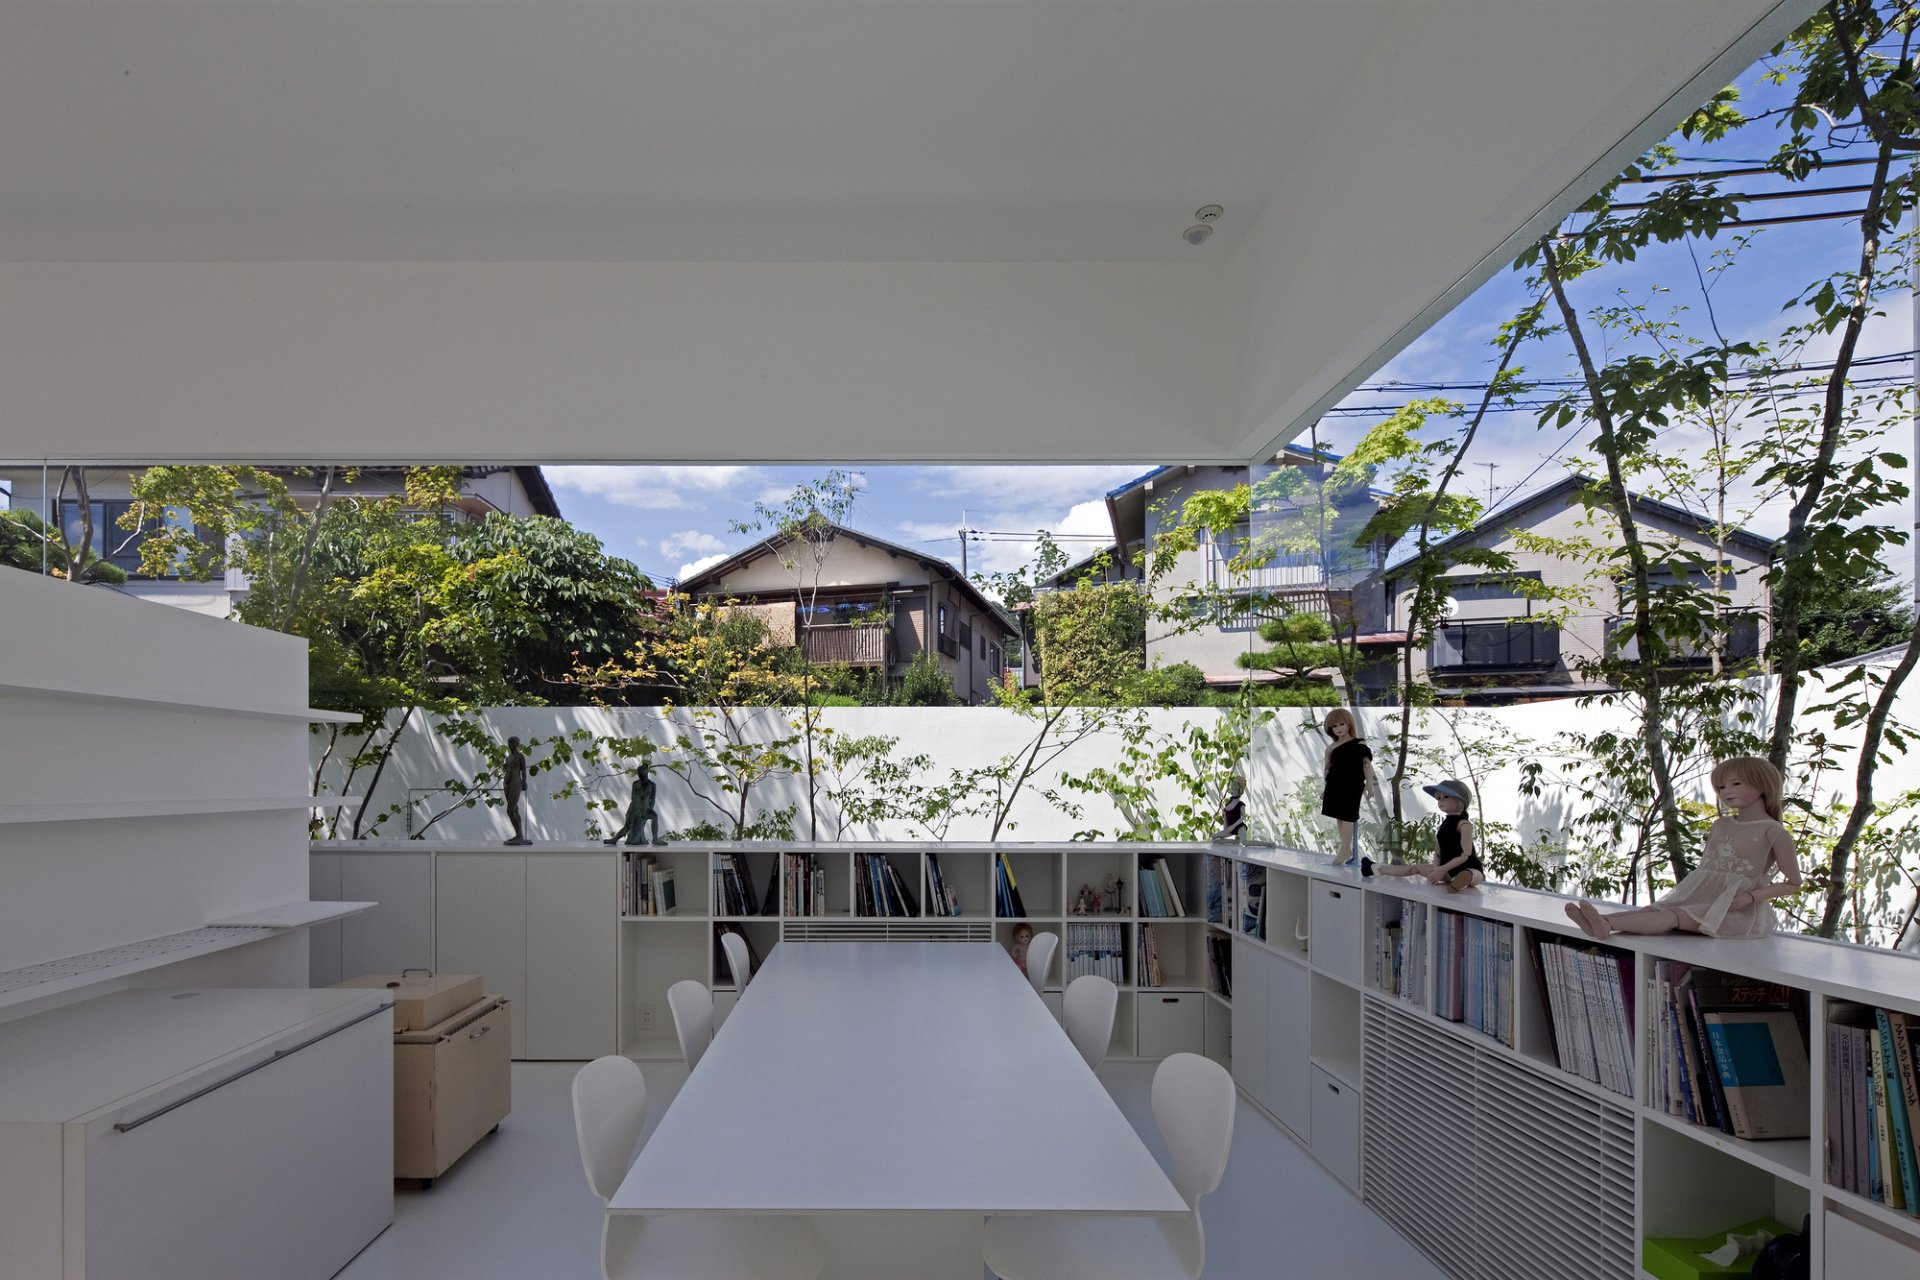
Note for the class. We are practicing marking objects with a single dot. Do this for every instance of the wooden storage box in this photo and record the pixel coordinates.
(422, 998)
(452, 1084)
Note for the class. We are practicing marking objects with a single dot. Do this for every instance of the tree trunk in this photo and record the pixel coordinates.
(1647, 664)
(1795, 573)
(1876, 726)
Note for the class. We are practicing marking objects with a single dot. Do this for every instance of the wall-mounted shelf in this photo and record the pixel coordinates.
(294, 915)
(94, 810)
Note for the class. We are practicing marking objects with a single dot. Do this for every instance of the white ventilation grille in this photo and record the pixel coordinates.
(881, 929)
(134, 953)
(1540, 1175)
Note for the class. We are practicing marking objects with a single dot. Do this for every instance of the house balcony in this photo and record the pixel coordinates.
(1505, 644)
(858, 644)
(1738, 641)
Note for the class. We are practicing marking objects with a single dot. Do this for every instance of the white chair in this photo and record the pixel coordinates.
(1040, 959)
(609, 1111)
(1193, 1105)
(1087, 1012)
(739, 960)
(692, 1006)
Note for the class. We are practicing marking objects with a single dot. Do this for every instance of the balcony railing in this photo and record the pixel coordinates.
(1738, 641)
(860, 644)
(1511, 644)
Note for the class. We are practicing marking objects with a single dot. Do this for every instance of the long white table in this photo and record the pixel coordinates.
(913, 1087)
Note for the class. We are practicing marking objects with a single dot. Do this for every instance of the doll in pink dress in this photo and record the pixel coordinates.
(1727, 895)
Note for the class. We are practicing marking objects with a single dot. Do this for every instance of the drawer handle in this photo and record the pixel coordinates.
(1333, 893)
(477, 1034)
(1169, 999)
(1332, 1087)
(130, 1125)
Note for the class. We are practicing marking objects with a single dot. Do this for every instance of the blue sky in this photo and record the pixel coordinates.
(672, 520)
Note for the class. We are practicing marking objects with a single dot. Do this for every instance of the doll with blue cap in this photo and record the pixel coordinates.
(1456, 861)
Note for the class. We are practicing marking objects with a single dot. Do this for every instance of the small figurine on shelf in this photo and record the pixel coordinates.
(1456, 862)
(1727, 895)
(1110, 895)
(640, 811)
(1233, 812)
(1087, 902)
(1349, 774)
(514, 780)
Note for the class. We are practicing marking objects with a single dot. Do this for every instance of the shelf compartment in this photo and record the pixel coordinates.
(1398, 950)
(1784, 1158)
(1694, 1188)
(1153, 872)
(1334, 1029)
(966, 873)
(1102, 947)
(1036, 874)
(1101, 871)
(1179, 947)
(816, 886)
(1576, 1009)
(660, 881)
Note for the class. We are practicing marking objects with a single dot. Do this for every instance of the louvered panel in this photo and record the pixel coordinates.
(882, 929)
(1546, 1170)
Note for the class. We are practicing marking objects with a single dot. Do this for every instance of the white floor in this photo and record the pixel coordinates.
(517, 1207)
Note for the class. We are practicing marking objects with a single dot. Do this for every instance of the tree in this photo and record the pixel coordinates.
(27, 543)
(1850, 617)
(802, 530)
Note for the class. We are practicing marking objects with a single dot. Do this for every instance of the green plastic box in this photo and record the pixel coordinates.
(1670, 1258)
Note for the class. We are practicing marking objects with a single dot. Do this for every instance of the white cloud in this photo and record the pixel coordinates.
(649, 488)
(690, 540)
(688, 570)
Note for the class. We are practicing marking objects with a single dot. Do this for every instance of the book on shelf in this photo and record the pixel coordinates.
(1761, 1061)
(1399, 948)
(733, 893)
(1159, 894)
(1148, 961)
(1096, 949)
(1474, 974)
(1220, 965)
(1219, 885)
(806, 885)
(1251, 893)
(1873, 1105)
(1588, 994)
(942, 900)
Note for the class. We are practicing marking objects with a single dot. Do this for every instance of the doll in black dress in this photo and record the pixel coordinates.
(1349, 775)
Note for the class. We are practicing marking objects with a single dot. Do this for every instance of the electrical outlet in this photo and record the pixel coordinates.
(646, 1017)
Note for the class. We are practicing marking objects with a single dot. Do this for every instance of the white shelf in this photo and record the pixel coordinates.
(1860, 1207)
(310, 715)
(17, 986)
(1784, 1158)
(94, 810)
(294, 915)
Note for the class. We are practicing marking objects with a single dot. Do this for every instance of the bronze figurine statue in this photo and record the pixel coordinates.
(640, 812)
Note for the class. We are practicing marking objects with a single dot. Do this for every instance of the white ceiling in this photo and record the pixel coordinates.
(831, 229)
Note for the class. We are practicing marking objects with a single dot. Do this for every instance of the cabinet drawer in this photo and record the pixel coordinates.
(1337, 943)
(1336, 1127)
(1170, 1024)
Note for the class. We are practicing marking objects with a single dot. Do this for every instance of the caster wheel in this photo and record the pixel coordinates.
(493, 1131)
(425, 1183)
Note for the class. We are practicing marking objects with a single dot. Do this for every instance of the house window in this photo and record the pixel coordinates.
(966, 635)
(111, 542)
(942, 629)
(983, 644)
(993, 657)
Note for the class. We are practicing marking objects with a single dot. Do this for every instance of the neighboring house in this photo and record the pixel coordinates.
(1293, 576)
(1500, 645)
(867, 603)
(519, 491)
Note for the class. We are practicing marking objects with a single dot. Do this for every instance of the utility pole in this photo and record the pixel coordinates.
(964, 531)
(1489, 466)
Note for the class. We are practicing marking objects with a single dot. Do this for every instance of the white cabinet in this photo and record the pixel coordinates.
(166, 1135)
(398, 933)
(1336, 1127)
(1339, 942)
(480, 926)
(1170, 1023)
(1251, 966)
(1288, 1083)
(573, 939)
(540, 929)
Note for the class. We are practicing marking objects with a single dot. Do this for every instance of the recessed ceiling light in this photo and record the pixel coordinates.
(1197, 233)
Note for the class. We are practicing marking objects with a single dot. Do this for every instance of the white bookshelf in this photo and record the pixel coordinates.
(1153, 1020)
(1567, 1176)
